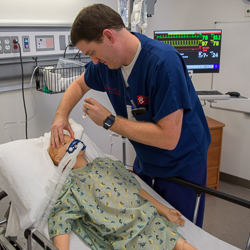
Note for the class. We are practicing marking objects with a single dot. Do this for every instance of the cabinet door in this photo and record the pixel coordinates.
(213, 157)
(216, 135)
(212, 175)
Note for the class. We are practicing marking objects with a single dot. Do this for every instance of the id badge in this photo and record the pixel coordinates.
(129, 112)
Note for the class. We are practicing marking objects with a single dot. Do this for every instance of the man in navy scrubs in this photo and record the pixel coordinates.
(156, 105)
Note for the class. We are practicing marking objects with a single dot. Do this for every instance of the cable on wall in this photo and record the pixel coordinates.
(34, 107)
(15, 41)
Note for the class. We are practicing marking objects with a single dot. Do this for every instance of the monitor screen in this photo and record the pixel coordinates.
(200, 49)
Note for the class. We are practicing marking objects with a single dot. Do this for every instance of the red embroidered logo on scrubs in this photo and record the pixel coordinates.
(142, 100)
(112, 90)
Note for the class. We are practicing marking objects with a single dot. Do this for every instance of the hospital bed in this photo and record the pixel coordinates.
(25, 172)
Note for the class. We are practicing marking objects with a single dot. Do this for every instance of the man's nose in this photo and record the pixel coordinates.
(94, 59)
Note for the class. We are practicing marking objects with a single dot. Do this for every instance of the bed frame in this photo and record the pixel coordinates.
(33, 234)
(199, 190)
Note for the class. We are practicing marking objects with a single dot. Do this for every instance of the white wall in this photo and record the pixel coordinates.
(46, 11)
(171, 14)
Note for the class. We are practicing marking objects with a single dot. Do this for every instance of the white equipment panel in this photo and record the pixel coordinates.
(34, 41)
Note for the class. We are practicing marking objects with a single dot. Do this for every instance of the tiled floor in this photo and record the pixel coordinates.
(227, 221)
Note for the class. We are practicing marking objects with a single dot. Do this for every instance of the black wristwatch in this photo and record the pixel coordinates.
(109, 122)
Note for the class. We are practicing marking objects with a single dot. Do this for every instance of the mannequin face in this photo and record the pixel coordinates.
(56, 154)
(62, 150)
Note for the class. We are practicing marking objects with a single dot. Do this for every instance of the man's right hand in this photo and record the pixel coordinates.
(57, 127)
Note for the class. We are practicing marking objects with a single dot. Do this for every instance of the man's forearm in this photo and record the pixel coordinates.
(71, 97)
(165, 134)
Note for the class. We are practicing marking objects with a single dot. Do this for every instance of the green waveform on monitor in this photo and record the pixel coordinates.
(184, 43)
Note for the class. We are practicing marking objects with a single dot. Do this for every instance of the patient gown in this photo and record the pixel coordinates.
(100, 203)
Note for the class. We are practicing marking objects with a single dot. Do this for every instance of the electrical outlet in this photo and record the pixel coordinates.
(6, 44)
(1, 45)
(247, 10)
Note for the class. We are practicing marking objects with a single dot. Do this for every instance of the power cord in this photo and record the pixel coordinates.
(15, 41)
(78, 54)
(33, 103)
(69, 45)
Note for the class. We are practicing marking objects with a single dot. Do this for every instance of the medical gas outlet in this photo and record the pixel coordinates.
(247, 10)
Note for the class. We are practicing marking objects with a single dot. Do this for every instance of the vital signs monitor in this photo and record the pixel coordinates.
(200, 49)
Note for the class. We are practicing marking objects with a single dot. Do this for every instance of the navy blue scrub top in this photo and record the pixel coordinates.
(159, 81)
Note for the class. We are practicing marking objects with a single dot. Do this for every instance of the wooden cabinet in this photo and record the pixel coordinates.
(214, 153)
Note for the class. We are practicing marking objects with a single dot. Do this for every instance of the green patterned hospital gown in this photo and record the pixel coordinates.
(100, 203)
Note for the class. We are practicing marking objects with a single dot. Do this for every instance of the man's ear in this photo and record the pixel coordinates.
(107, 33)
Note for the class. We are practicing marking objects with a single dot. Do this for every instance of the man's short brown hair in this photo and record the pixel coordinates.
(92, 20)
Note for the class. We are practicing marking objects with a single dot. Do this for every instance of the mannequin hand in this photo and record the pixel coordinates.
(174, 215)
(96, 112)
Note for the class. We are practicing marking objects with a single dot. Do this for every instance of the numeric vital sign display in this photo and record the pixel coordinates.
(200, 49)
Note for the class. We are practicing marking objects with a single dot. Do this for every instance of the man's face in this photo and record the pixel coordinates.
(100, 52)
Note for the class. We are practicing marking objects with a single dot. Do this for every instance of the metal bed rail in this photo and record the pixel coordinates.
(33, 233)
(199, 190)
(9, 243)
(2, 195)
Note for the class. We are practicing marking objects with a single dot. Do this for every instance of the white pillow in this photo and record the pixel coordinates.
(25, 167)
(25, 170)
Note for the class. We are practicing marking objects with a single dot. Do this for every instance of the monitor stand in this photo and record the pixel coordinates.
(190, 72)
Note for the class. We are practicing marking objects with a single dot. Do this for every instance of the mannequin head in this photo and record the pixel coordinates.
(56, 154)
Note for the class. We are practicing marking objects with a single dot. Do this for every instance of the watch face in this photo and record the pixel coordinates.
(109, 121)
